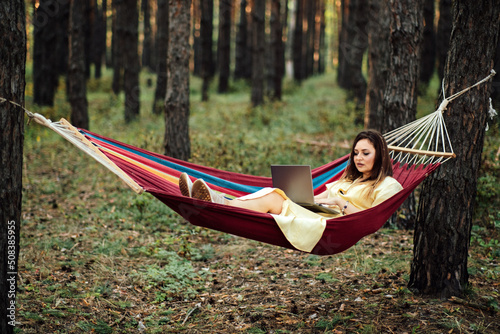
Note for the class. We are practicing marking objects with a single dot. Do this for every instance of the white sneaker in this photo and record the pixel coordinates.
(185, 185)
(203, 192)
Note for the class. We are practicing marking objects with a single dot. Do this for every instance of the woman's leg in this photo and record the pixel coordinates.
(270, 203)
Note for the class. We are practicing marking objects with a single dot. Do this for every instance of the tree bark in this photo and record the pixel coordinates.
(405, 36)
(117, 47)
(12, 83)
(130, 43)
(177, 142)
(378, 63)
(322, 38)
(277, 48)
(429, 44)
(162, 20)
(76, 67)
(147, 44)
(401, 91)
(224, 44)
(298, 36)
(197, 11)
(443, 35)
(243, 51)
(352, 46)
(206, 41)
(49, 49)
(444, 220)
(258, 51)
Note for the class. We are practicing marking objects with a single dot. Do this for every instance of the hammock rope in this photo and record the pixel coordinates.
(423, 144)
(426, 140)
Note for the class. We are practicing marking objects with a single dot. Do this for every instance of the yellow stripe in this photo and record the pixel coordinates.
(163, 175)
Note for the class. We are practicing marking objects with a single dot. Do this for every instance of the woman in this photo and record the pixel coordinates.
(366, 182)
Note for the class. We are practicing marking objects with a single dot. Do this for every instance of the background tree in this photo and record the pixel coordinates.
(98, 48)
(277, 49)
(161, 49)
(147, 43)
(224, 44)
(130, 54)
(353, 42)
(428, 59)
(206, 42)
(378, 62)
(243, 49)
(76, 69)
(176, 142)
(443, 230)
(258, 51)
(12, 82)
(443, 35)
(298, 36)
(401, 90)
(118, 28)
(50, 47)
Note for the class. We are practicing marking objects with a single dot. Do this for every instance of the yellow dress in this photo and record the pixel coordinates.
(304, 228)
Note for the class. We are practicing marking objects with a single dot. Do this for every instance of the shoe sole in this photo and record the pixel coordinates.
(184, 185)
(201, 192)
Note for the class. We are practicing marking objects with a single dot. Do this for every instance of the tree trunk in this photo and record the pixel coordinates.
(258, 51)
(401, 92)
(177, 142)
(405, 36)
(99, 39)
(495, 94)
(161, 56)
(352, 46)
(147, 44)
(443, 36)
(322, 38)
(443, 231)
(117, 47)
(12, 83)
(49, 50)
(277, 47)
(310, 37)
(429, 44)
(131, 62)
(206, 41)
(76, 67)
(243, 53)
(298, 36)
(378, 63)
(197, 12)
(224, 44)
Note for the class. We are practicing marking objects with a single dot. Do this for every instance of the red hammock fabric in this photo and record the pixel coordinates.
(340, 233)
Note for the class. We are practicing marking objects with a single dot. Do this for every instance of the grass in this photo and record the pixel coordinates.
(95, 257)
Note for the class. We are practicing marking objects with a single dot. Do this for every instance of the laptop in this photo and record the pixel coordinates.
(296, 182)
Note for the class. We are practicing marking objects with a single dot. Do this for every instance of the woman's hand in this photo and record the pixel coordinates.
(332, 201)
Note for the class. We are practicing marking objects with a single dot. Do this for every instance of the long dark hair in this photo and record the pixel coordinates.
(382, 166)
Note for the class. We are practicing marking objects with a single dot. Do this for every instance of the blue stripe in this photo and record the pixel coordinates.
(192, 172)
(323, 178)
(317, 181)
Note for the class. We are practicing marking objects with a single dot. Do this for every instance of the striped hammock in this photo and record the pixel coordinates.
(158, 175)
(417, 149)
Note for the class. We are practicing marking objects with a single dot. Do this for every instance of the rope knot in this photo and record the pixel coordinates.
(443, 105)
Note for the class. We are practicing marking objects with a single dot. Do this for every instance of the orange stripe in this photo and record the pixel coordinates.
(165, 176)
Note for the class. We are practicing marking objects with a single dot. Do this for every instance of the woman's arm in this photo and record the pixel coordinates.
(345, 206)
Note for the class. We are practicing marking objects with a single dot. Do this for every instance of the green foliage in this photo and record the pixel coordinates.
(175, 276)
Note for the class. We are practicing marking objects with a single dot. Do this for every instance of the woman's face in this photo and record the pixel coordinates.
(364, 157)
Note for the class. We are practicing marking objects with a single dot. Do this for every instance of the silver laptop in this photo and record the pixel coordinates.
(296, 182)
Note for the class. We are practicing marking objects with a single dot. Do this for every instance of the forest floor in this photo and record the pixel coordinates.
(95, 257)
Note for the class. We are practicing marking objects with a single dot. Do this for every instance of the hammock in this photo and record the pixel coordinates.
(417, 150)
(158, 175)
